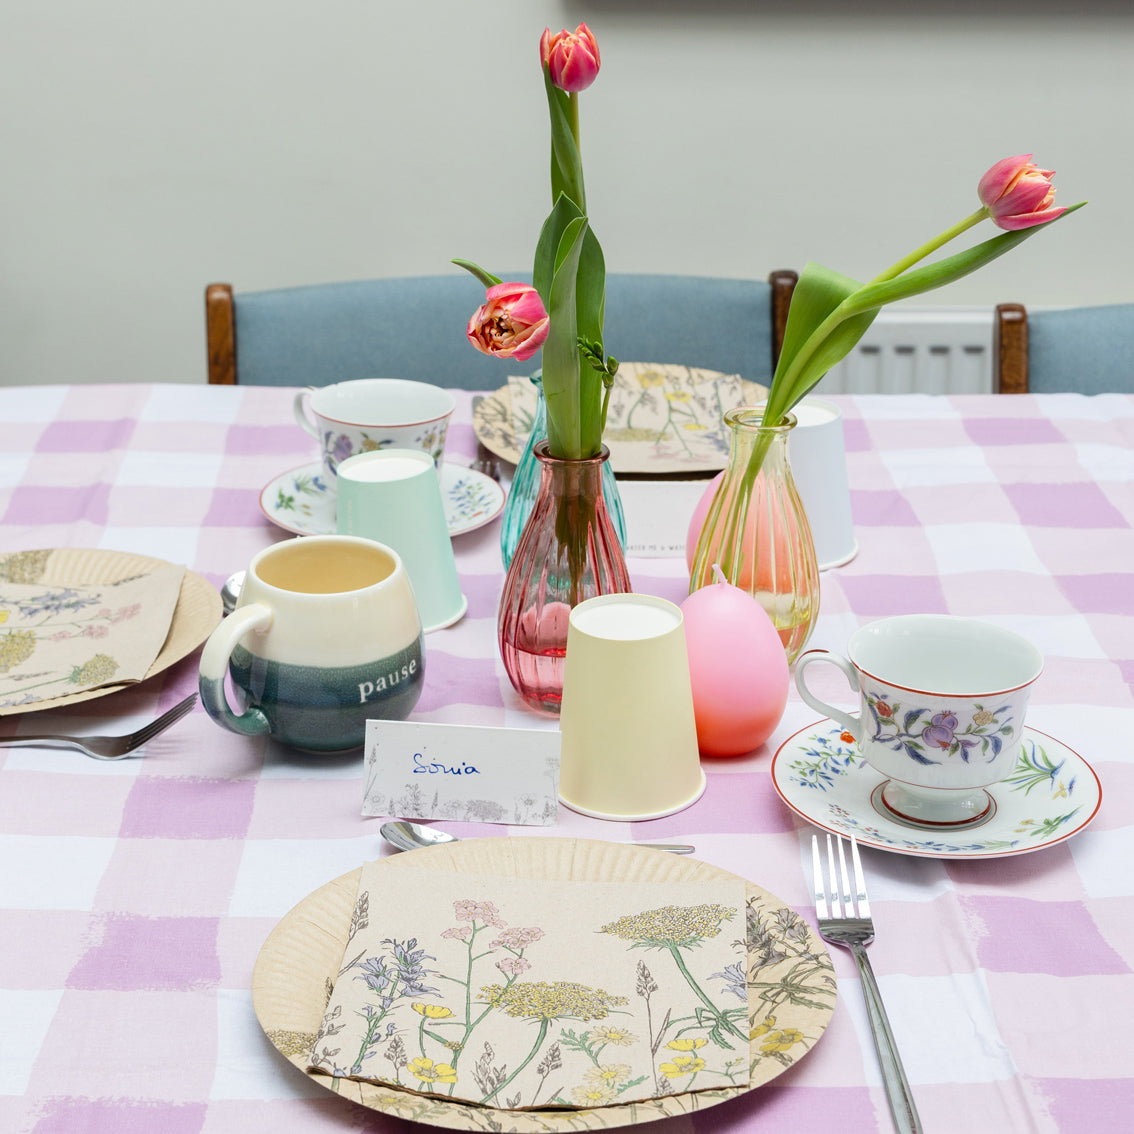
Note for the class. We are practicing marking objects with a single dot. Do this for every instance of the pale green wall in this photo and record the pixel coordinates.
(148, 148)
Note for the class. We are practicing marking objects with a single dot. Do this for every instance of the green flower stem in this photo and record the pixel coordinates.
(369, 1037)
(931, 246)
(735, 509)
(467, 982)
(717, 1014)
(543, 1024)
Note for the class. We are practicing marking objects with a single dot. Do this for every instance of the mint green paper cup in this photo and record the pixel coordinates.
(393, 496)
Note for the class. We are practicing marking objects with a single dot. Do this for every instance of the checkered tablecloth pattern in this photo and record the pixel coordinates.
(135, 896)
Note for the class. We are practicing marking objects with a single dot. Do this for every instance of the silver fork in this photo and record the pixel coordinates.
(109, 747)
(844, 919)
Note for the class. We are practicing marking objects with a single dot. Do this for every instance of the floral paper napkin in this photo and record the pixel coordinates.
(61, 639)
(517, 993)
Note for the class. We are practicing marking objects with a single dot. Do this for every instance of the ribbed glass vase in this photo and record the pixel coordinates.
(757, 531)
(525, 486)
(568, 552)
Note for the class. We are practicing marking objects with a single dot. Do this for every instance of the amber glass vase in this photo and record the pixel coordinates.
(757, 531)
(568, 552)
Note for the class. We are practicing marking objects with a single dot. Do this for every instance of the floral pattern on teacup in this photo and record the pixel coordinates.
(929, 737)
(339, 447)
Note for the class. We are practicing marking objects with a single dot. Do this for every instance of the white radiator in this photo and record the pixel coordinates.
(919, 350)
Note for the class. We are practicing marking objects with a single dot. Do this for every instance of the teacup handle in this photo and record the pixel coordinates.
(299, 405)
(853, 725)
(214, 669)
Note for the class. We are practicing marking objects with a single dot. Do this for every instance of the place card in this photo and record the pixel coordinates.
(657, 515)
(468, 773)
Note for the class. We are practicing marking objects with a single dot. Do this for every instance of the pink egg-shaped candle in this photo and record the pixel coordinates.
(737, 667)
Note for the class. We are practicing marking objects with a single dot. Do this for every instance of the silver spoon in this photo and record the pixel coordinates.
(413, 836)
(230, 592)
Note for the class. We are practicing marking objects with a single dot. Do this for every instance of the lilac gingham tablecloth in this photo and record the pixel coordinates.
(135, 896)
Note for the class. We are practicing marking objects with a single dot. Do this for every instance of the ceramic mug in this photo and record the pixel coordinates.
(325, 636)
(347, 418)
(943, 701)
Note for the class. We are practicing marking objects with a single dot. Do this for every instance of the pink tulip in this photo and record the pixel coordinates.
(571, 57)
(511, 323)
(1018, 194)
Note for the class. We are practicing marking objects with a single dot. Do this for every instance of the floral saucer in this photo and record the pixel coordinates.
(1051, 794)
(299, 501)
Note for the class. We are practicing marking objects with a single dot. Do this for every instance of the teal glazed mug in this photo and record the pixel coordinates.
(325, 636)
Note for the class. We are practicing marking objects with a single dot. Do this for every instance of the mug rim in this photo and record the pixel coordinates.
(953, 620)
(330, 537)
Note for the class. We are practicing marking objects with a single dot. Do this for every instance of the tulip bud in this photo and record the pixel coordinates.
(572, 58)
(511, 323)
(1018, 194)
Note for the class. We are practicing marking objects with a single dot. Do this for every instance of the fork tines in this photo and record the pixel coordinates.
(834, 894)
(169, 717)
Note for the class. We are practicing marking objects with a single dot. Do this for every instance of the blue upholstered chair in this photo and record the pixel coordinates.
(414, 327)
(1082, 350)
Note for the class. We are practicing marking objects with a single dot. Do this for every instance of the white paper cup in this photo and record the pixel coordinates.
(629, 738)
(817, 452)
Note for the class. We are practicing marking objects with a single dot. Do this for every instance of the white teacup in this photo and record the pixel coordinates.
(374, 413)
(943, 701)
(326, 635)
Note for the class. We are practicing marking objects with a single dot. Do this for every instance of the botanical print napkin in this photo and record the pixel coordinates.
(62, 639)
(517, 993)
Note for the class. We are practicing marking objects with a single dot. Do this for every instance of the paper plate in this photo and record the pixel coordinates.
(661, 418)
(298, 963)
(197, 612)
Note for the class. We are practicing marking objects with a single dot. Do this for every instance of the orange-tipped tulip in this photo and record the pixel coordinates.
(1018, 194)
(572, 58)
(511, 323)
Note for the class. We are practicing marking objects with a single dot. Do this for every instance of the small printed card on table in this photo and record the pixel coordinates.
(518, 993)
(468, 773)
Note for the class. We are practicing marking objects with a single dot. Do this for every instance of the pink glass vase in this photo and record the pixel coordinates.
(568, 552)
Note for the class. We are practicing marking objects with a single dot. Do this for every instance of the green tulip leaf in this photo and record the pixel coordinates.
(566, 163)
(917, 281)
(591, 289)
(547, 247)
(486, 278)
(807, 353)
(561, 364)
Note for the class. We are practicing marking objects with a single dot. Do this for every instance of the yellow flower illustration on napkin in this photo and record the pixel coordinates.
(427, 1071)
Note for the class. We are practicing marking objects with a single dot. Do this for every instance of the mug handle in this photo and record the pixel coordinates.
(299, 407)
(214, 668)
(853, 725)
